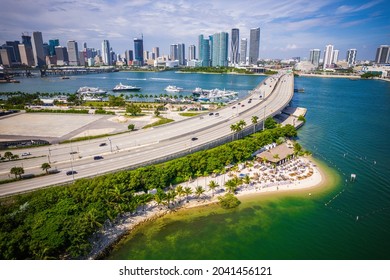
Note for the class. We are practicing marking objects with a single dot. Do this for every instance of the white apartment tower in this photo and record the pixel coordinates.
(243, 48)
(106, 52)
(315, 57)
(73, 53)
(328, 56)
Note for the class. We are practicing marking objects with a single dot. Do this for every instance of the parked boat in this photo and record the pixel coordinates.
(299, 90)
(173, 89)
(90, 90)
(121, 87)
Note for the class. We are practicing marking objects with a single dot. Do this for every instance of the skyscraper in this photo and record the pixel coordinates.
(138, 51)
(220, 49)
(173, 52)
(191, 52)
(382, 54)
(243, 50)
(62, 55)
(156, 51)
(335, 56)
(73, 53)
(15, 51)
(26, 55)
(315, 57)
(235, 41)
(106, 52)
(328, 56)
(204, 51)
(351, 57)
(37, 47)
(52, 44)
(181, 54)
(254, 45)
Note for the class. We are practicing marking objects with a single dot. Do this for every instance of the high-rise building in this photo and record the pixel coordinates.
(382, 54)
(243, 50)
(173, 52)
(191, 52)
(254, 45)
(16, 54)
(204, 51)
(62, 55)
(235, 42)
(220, 49)
(52, 44)
(335, 56)
(5, 56)
(139, 51)
(73, 53)
(328, 56)
(351, 57)
(181, 55)
(37, 47)
(156, 52)
(26, 40)
(26, 55)
(106, 52)
(314, 57)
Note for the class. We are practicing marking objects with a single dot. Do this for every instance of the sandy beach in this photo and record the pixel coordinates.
(302, 175)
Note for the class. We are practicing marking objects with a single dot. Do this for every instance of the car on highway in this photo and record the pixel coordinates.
(102, 144)
(242, 105)
(216, 114)
(97, 157)
(71, 172)
(26, 154)
(234, 107)
(194, 138)
(72, 153)
(210, 114)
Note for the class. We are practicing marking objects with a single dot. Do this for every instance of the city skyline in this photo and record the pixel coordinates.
(288, 28)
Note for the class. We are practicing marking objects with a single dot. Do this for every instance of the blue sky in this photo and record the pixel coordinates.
(288, 27)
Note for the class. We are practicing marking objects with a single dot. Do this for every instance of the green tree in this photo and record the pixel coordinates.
(17, 171)
(297, 148)
(133, 109)
(116, 101)
(270, 123)
(8, 155)
(187, 192)
(254, 122)
(199, 190)
(157, 112)
(213, 185)
(131, 127)
(228, 201)
(180, 191)
(45, 166)
(75, 99)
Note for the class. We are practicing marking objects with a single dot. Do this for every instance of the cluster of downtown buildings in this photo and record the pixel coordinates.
(213, 50)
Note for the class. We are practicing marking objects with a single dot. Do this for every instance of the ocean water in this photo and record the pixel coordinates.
(347, 129)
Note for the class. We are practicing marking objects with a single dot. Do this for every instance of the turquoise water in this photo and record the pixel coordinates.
(347, 128)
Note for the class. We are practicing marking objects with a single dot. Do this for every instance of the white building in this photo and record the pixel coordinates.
(328, 56)
(351, 57)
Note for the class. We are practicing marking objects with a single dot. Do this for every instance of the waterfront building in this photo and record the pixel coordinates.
(62, 55)
(45, 50)
(181, 55)
(220, 49)
(37, 47)
(328, 57)
(138, 51)
(156, 52)
(382, 55)
(52, 44)
(235, 41)
(129, 57)
(173, 52)
(26, 40)
(106, 52)
(314, 57)
(26, 55)
(5, 57)
(335, 56)
(243, 49)
(204, 51)
(73, 53)
(191, 53)
(254, 45)
(15, 51)
(351, 57)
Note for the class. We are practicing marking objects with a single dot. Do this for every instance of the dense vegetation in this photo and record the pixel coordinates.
(58, 222)
(370, 75)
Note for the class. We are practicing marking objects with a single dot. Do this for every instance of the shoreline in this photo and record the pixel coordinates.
(330, 76)
(111, 234)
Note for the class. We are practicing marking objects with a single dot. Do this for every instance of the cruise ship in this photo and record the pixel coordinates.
(173, 89)
(121, 87)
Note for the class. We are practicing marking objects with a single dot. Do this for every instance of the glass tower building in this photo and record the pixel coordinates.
(139, 51)
(254, 45)
(235, 41)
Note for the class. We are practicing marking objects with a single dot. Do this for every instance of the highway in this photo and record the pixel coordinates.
(143, 146)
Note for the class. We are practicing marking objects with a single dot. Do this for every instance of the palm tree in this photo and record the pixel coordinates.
(17, 171)
(234, 129)
(8, 155)
(213, 185)
(254, 122)
(247, 180)
(159, 197)
(187, 192)
(45, 166)
(180, 191)
(171, 195)
(198, 174)
(199, 190)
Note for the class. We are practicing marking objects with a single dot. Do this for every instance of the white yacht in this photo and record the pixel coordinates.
(90, 90)
(173, 89)
(121, 87)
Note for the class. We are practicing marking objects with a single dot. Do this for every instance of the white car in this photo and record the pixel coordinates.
(26, 154)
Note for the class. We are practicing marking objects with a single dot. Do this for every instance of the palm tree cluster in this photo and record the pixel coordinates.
(237, 127)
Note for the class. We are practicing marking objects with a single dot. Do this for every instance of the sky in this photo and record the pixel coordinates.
(289, 28)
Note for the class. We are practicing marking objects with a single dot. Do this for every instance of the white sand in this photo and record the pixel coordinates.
(110, 233)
